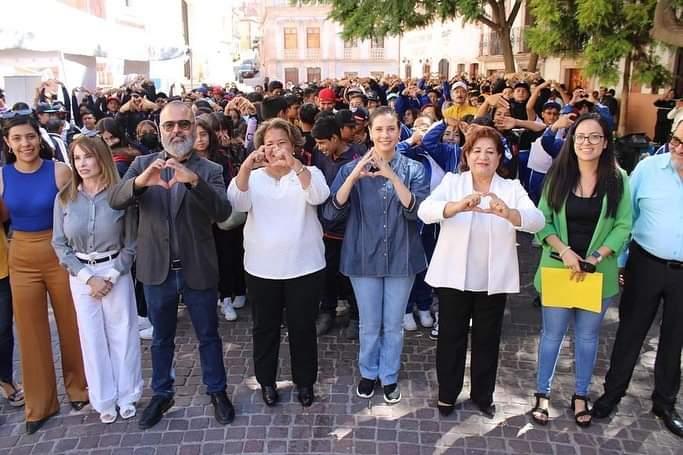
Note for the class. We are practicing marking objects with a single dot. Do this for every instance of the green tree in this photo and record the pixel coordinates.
(605, 34)
(365, 19)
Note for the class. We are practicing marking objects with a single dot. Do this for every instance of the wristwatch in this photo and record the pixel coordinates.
(596, 254)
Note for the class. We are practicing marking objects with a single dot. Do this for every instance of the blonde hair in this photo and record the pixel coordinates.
(293, 133)
(100, 150)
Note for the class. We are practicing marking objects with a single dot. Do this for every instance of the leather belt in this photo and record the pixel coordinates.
(676, 265)
(99, 260)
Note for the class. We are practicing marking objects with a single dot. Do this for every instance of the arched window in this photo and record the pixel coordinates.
(408, 71)
(443, 68)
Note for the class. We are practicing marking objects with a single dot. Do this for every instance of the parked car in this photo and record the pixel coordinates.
(247, 69)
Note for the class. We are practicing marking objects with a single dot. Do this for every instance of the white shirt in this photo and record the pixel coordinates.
(477, 272)
(539, 159)
(282, 236)
(453, 258)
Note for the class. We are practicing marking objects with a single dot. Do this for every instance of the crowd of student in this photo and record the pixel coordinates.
(391, 195)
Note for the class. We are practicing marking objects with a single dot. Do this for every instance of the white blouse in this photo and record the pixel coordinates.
(466, 246)
(282, 236)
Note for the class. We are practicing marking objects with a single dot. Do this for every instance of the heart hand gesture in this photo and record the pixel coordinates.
(496, 206)
(382, 168)
(152, 175)
(469, 203)
(182, 174)
(256, 159)
(362, 167)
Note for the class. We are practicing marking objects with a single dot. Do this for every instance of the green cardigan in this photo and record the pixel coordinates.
(611, 232)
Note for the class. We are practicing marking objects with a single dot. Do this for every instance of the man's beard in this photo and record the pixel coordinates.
(178, 150)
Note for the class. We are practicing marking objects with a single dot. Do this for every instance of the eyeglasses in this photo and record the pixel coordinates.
(593, 138)
(184, 125)
(675, 142)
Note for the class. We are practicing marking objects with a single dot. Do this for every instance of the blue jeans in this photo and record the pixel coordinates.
(381, 306)
(162, 306)
(586, 334)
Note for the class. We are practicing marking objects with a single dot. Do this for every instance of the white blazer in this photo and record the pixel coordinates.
(449, 262)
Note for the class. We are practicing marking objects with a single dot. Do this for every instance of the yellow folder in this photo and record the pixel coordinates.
(557, 290)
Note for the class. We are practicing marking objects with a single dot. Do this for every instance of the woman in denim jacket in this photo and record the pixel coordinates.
(378, 196)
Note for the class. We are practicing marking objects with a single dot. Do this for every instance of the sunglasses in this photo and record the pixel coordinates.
(184, 125)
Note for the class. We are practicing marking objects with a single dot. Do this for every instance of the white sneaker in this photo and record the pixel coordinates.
(147, 334)
(228, 311)
(239, 302)
(409, 322)
(143, 323)
(426, 319)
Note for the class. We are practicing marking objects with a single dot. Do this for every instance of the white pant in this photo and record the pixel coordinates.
(108, 329)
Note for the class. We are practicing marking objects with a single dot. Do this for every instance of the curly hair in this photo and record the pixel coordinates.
(293, 133)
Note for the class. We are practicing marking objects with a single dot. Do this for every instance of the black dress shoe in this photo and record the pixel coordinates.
(489, 410)
(270, 395)
(602, 408)
(78, 405)
(324, 324)
(306, 395)
(224, 411)
(155, 410)
(672, 421)
(445, 409)
(32, 427)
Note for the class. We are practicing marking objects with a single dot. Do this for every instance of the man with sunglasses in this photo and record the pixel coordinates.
(653, 275)
(179, 195)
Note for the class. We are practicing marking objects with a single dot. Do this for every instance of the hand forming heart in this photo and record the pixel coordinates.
(490, 203)
(152, 175)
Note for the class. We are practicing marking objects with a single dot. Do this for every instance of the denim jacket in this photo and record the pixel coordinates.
(381, 237)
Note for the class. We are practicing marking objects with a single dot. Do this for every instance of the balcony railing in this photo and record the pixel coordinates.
(489, 43)
(350, 53)
(291, 53)
(313, 52)
(377, 53)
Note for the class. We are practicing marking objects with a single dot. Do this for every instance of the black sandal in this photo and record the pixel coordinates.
(537, 409)
(585, 412)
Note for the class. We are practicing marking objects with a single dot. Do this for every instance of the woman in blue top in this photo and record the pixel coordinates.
(378, 195)
(28, 187)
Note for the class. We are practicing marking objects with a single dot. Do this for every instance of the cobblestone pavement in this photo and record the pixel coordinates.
(339, 422)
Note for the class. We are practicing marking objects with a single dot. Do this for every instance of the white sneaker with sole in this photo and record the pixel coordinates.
(409, 322)
(239, 302)
(228, 311)
(147, 334)
(143, 323)
(426, 319)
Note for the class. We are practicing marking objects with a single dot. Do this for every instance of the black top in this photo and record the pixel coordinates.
(582, 218)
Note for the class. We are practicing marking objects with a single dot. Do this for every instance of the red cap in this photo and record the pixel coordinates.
(327, 94)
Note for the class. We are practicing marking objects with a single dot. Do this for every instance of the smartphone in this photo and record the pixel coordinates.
(585, 266)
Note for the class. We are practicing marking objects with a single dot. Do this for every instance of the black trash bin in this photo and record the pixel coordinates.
(629, 148)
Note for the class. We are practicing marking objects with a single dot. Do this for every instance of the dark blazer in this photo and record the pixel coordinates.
(196, 209)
